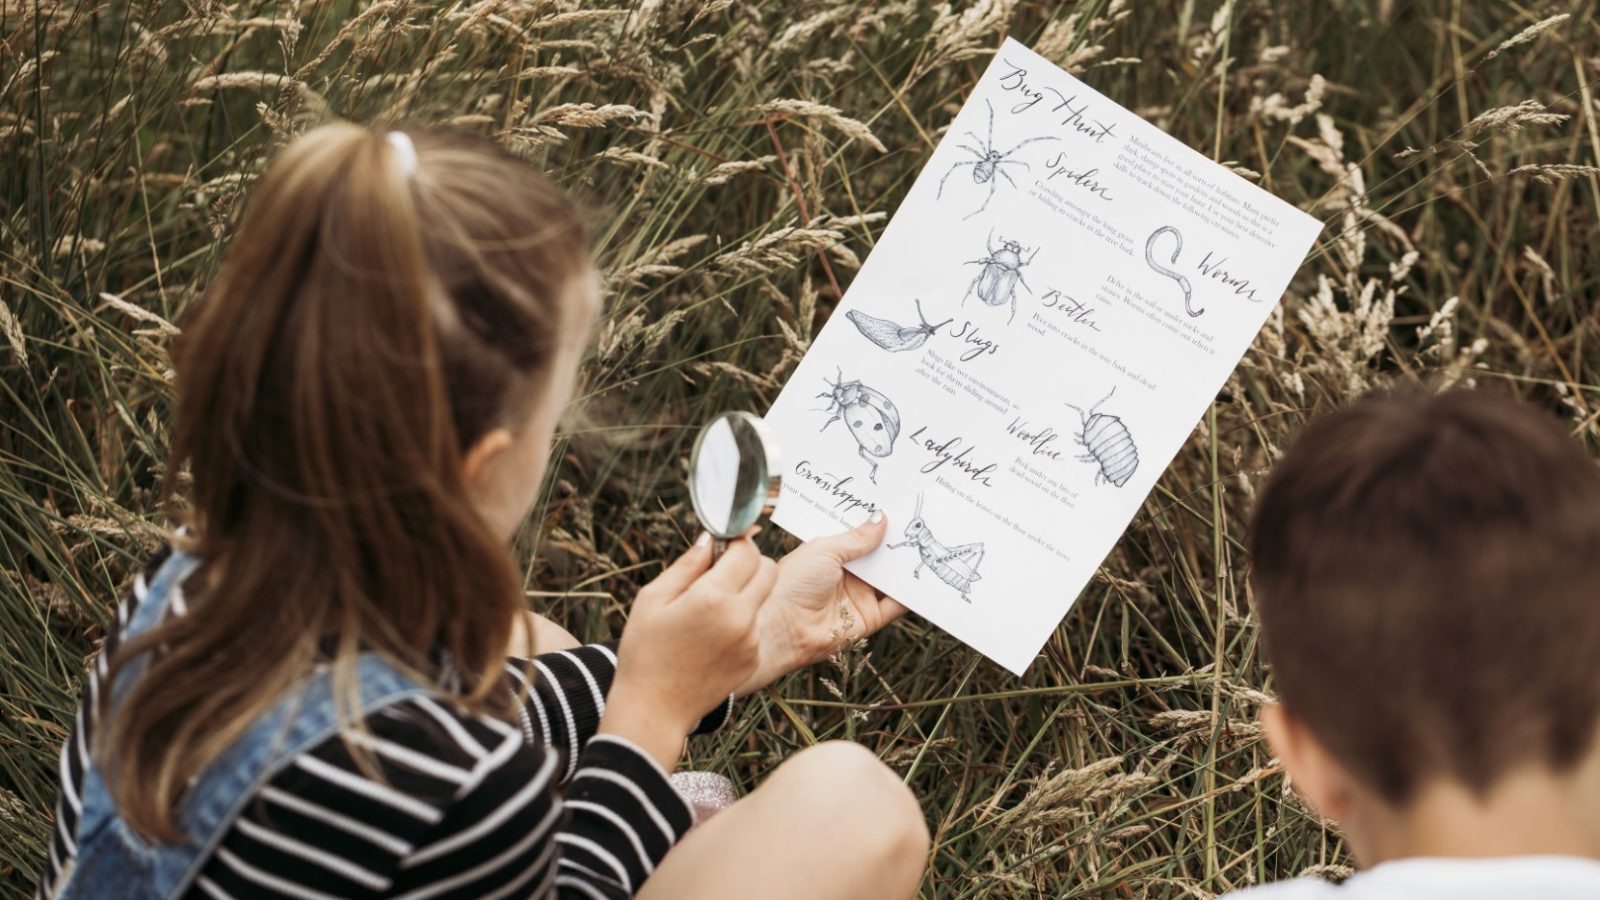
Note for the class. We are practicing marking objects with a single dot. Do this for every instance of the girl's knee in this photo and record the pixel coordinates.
(842, 766)
(841, 775)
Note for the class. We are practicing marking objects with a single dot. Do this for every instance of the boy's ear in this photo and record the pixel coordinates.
(1312, 771)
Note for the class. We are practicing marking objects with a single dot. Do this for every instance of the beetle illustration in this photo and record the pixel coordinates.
(1002, 272)
(955, 566)
(1150, 260)
(986, 167)
(872, 418)
(893, 337)
(1109, 444)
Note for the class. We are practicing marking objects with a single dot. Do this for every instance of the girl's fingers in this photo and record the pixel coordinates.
(891, 609)
(877, 609)
(759, 587)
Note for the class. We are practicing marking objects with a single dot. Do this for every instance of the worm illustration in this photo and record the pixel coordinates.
(1150, 258)
(892, 336)
(1109, 444)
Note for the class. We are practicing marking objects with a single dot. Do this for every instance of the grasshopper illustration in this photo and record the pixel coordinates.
(955, 566)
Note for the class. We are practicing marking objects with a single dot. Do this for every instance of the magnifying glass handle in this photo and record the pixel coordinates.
(717, 546)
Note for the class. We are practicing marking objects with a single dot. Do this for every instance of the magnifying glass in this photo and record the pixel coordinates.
(734, 476)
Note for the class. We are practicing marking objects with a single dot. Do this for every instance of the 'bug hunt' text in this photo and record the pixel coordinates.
(1071, 112)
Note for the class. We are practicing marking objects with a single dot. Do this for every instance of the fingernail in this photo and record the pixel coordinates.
(703, 541)
(876, 517)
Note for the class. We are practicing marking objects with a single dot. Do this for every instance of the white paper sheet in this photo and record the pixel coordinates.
(1056, 302)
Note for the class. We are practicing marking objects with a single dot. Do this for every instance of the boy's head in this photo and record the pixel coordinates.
(1426, 570)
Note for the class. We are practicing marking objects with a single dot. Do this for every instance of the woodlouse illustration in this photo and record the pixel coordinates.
(986, 168)
(1109, 444)
(1002, 272)
(873, 420)
(1150, 259)
(892, 336)
(955, 566)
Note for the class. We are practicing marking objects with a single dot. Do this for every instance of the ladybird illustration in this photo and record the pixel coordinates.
(872, 419)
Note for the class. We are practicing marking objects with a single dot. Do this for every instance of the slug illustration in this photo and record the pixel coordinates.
(891, 336)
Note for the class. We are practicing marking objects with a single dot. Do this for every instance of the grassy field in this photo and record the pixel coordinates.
(739, 159)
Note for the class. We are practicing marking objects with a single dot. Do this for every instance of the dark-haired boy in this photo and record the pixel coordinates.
(1426, 569)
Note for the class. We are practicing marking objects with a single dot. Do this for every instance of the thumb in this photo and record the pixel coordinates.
(676, 578)
(858, 541)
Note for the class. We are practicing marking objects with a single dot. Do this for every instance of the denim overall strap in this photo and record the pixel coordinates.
(301, 720)
(97, 807)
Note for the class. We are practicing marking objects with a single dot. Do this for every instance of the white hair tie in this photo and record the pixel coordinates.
(407, 151)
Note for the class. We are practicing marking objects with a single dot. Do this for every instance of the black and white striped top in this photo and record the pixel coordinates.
(470, 808)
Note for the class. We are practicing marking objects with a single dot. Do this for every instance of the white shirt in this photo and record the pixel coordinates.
(1423, 878)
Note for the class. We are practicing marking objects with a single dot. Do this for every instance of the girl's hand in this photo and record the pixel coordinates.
(806, 619)
(690, 641)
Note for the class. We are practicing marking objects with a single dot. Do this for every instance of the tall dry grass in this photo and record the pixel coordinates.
(739, 159)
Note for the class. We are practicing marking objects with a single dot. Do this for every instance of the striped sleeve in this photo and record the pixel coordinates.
(508, 833)
(323, 826)
(496, 838)
(623, 815)
(562, 711)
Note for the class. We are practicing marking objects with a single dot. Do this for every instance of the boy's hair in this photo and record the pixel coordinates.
(385, 303)
(1426, 571)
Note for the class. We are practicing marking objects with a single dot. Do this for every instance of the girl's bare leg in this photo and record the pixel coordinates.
(536, 634)
(832, 821)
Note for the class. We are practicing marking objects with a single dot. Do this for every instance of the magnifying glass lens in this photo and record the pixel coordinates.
(733, 477)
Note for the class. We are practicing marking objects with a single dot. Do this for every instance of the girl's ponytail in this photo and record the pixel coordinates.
(377, 312)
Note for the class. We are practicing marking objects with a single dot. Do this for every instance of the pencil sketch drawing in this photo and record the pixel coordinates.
(986, 166)
(1109, 444)
(1150, 259)
(891, 336)
(1002, 273)
(955, 566)
(872, 419)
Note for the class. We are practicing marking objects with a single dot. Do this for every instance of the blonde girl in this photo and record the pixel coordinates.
(323, 687)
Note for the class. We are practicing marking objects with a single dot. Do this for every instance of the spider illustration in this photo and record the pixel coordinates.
(988, 162)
